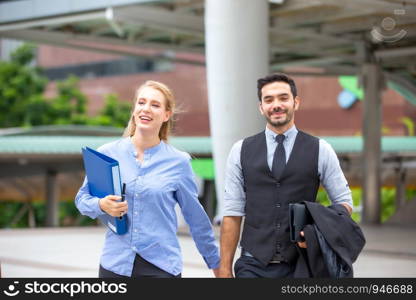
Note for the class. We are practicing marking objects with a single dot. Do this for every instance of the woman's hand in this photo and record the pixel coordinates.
(112, 206)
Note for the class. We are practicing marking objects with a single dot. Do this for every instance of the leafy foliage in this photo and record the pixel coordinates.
(68, 215)
(115, 113)
(22, 100)
(20, 85)
(388, 201)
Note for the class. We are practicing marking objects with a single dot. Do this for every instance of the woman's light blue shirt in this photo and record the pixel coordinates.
(153, 188)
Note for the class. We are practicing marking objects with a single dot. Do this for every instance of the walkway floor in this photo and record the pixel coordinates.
(74, 252)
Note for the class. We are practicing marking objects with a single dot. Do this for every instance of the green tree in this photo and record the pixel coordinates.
(115, 112)
(68, 107)
(22, 100)
(70, 104)
(20, 85)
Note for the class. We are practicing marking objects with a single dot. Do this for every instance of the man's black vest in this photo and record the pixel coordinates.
(266, 225)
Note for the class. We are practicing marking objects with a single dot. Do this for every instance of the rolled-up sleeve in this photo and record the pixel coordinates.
(234, 195)
(87, 205)
(194, 214)
(331, 175)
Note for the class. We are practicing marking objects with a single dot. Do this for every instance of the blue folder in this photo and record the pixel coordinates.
(103, 174)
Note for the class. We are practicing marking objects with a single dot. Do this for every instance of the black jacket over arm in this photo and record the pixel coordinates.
(343, 236)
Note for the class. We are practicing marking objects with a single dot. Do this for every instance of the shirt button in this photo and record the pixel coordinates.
(134, 248)
(135, 230)
(135, 212)
(278, 184)
(137, 195)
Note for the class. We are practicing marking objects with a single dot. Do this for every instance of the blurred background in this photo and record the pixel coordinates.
(69, 70)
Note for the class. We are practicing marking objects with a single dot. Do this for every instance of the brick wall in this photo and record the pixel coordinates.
(319, 112)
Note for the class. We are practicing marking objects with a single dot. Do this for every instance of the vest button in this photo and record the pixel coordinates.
(278, 205)
(278, 184)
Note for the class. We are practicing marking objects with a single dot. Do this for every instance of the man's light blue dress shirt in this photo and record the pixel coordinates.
(329, 171)
(153, 188)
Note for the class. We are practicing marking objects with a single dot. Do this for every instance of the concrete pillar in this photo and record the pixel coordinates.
(52, 199)
(372, 122)
(236, 34)
(400, 187)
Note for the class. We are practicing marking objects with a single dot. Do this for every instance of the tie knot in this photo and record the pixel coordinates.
(280, 138)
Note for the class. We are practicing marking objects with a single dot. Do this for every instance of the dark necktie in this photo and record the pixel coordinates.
(279, 158)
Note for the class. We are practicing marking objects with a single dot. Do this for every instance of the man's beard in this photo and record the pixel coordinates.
(280, 123)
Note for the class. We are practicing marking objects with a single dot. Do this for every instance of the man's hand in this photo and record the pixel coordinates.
(110, 205)
(302, 234)
(302, 244)
(347, 207)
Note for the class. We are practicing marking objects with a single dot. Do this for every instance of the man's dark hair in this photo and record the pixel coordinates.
(277, 77)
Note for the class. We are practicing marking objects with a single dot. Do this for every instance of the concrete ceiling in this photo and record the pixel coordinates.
(322, 37)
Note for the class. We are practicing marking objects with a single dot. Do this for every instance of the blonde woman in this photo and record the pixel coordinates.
(157, 177)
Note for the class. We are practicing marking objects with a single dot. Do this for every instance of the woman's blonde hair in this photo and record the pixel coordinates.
(169, 105)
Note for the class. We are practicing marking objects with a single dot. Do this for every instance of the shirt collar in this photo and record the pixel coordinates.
(150, 150)
(289, 134)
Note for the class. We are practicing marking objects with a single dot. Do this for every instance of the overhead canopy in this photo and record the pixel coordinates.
(328, 36)
(306, 37)
(69, 139)
(27, 154)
